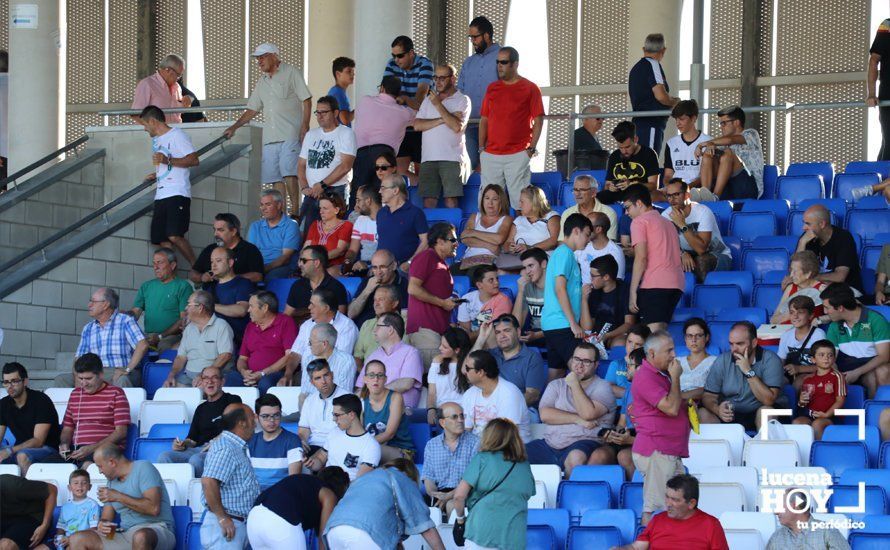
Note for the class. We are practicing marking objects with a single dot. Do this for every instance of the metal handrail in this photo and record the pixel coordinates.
(43, 160)
(145, 184)
(200, 109)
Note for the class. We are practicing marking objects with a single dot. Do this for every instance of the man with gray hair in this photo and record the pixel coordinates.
(275, 235)
(384, 271)
(584, 189)
(649, 91)
(386, 300)
(206, 342)
(162, 90)
(585, 136)
(282, 94)
(114, 337)
(661, 420)
(163, 300)
(323, 345)
(401, 227)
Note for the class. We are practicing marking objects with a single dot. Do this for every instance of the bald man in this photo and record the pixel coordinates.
(449, 454)
(137, 492)
(229, 482)
(834, 246)
(384, 271)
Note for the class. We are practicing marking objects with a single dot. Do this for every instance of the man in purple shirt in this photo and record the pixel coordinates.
(404, 369)
(661, 419)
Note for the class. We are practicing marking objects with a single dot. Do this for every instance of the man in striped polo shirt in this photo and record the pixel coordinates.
(97, 414)
(416, 73)
(862, 336)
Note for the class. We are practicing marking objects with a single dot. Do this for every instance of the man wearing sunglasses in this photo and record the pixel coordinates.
(512, 118)
(275, 453)
(732, 164)
(162, 90)
(477, 72)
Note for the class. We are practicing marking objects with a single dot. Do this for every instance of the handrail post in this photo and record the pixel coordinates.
(570, 156)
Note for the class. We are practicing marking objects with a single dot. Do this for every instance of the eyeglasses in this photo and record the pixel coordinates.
(304, 260)
(597, 276)
(387, 187)
(322, 112)
(672, 195)
(380, 325)
(12, 382)
(338, 415)
(378, 267)
(724, 123)
(504, 61)
(97, 301)
(174, 71)
(273, 416)
(695, 336)
(437, 77)
(458, 416)
(379, 167)
(474, 36)
(376, 375)
(585, 362)
(399, 55)
(211, 378)
(452, 239)
(626, 207)
(577, 190)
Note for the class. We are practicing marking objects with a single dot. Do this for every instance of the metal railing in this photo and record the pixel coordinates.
(43, 160)
(145, 184)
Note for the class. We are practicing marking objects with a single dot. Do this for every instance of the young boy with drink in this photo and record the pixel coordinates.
(81, 513)
(794, 344)
(823, 392)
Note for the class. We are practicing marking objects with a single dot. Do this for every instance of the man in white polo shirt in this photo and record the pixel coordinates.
(281, 93)
(442, 117)
(173, 155)
(317, 414)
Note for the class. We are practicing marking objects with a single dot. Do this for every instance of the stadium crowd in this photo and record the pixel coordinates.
(564, 349)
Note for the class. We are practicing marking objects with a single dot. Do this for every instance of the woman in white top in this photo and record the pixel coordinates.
(697, 364)
(446, 378)
(487, 230)
(536, 227)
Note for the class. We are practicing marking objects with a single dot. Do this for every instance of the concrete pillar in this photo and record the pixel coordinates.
(376, 24)
(330, 35)
(35, 102)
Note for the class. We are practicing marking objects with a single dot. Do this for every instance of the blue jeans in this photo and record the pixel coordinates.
(471, 134)
(212, 534)
(234, 378)
(35, 454)
(193, 456)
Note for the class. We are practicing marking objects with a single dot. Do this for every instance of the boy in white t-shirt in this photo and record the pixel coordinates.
(794, 345)
(173, 155)
(351, 447)
(485, 303)
(490, 396)
(79, 514)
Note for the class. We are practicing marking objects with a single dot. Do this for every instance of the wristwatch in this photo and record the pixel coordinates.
(750, 374)
(684, 229)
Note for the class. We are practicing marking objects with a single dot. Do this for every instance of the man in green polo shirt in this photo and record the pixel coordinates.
(163, 300)
(862, 336)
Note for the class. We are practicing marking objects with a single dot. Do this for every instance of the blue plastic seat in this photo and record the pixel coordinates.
(420, 434)
(860, 540)
(149, 448)
(845, 183)
(193, 536)
(688, 286)
(788, 242)
(868, 223)
(779, 207)
(747, 226)
(469, 202)
(871, 202)
(824, 169)
(566, 194)
(351, 285)
(876, 477)
(461, 284)
(880, 167)
(844, 433)
(794, 227)
(720, 334)
(580, 496)
(547, 180)
(622, 519)
(770, 176)
(281, 289)
(611, 474)
(767, 296)
(153, 377)
(557, 518)
(632, 497)
(713, 298)
(742, 279)
(169, 430)
(756, 315)
(837, 456)
(856, 400)
(773, 278)
(873, 408)
(450, 215)
(870, 256)
(799, 188)
(722, 212)
(848, 495)
(598, 175)
(586, 538)
(836, 205)
(735, 247)
(675, 329)
(681, 314)
(182, 516)
(540, 537)
(883, 310)
(760, 261)
(876, 523)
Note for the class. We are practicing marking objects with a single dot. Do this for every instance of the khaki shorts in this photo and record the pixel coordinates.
(427, 343)
(657, 469)
(124, 541)
(436, 175)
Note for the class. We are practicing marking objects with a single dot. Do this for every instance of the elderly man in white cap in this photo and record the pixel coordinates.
(282, 94)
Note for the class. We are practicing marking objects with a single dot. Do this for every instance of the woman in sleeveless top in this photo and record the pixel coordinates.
(802, 270)
(446, 379)
(536, 227)
(487, 230)
(384, 415)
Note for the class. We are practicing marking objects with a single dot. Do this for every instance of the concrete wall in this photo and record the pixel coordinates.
(43, 319)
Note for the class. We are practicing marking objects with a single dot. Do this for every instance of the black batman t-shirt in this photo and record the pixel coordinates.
(636, 169)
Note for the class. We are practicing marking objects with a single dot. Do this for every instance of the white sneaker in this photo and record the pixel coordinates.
(861, 192)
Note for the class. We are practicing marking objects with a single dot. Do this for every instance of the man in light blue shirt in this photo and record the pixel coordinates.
(276, 236)
(562, 296)
(477, 72)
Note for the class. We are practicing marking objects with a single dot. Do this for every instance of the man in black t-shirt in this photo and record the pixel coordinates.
(205, 424)
(648, 89)
(605, 303)
(31, 417)
(26, 510)
(876, 66)
(833, 245)
(314, 271)
(248, 258)
(585, 136)
(629, 164)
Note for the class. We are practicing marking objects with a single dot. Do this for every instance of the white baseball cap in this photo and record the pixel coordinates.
(264, 48)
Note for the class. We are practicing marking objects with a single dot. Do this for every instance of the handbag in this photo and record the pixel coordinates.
(458, 530)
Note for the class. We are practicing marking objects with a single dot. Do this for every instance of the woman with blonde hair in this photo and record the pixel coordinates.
(496, 487)
(487, 230)
(537, 226)
(802, 272)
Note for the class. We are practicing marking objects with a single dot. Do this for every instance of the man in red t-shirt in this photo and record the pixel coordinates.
(682, 525)
(512, 117)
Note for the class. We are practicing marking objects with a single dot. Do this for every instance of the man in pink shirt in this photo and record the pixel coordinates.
(162, 90)
(661, 419)
(658, 281)
(379, 125)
